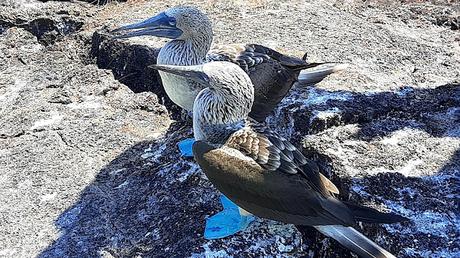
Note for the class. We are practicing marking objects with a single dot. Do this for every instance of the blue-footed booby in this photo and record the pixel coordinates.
(190, 31)
(272, 75)
(262, 172)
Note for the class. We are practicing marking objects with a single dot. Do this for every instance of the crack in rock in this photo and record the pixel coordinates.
(129, 64)
(46, 30)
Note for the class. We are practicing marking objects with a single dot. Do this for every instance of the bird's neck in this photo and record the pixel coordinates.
(216, 113)
(191, 51)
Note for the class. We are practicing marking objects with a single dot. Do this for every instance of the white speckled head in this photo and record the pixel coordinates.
(226, 99)
(230, 78)
(192, 22)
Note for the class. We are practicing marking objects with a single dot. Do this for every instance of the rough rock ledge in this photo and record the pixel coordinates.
(88, 163)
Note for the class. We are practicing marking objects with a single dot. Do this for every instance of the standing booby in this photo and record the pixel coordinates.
(262, 172)
(271, 73)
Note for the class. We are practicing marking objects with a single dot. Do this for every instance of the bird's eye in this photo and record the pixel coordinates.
(172, 22)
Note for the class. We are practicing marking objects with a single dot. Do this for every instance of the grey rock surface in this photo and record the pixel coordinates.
(88, 159)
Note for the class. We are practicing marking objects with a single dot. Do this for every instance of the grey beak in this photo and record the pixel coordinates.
(160, 25)
(193, 72)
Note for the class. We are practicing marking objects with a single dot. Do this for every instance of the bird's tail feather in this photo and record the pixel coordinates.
(369, 215)
(355, 241)
(312, 76)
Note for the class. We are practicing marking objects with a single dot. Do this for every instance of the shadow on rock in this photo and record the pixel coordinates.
(147, 201)
(130, 65)
(312, 110)
(372, 145)
(151, 202)
(431, 202)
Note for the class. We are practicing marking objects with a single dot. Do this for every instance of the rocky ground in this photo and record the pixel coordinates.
(88, 163)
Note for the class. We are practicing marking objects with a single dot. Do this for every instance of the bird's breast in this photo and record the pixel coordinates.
(180, 90)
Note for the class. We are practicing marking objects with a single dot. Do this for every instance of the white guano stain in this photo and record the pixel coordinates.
(54, 119)
(48, 197)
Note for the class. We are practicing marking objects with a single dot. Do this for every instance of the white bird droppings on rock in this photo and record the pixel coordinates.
(324, 114)
(7, 252)
(48, 197)
(54, 119)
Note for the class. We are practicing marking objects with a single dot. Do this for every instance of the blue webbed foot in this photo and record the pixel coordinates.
(227, 222)
(185, 147)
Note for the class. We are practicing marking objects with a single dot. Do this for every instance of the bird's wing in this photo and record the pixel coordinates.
(271, 72)
(271, 179)
(250, 55)
(275, 153)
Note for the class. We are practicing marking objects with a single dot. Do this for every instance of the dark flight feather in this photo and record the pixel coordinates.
(271, 72)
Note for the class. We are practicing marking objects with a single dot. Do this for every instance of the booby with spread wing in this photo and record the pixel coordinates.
(262, 172)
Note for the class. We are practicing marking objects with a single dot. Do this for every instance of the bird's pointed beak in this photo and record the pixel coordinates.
(160, 26)
(193, 72)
